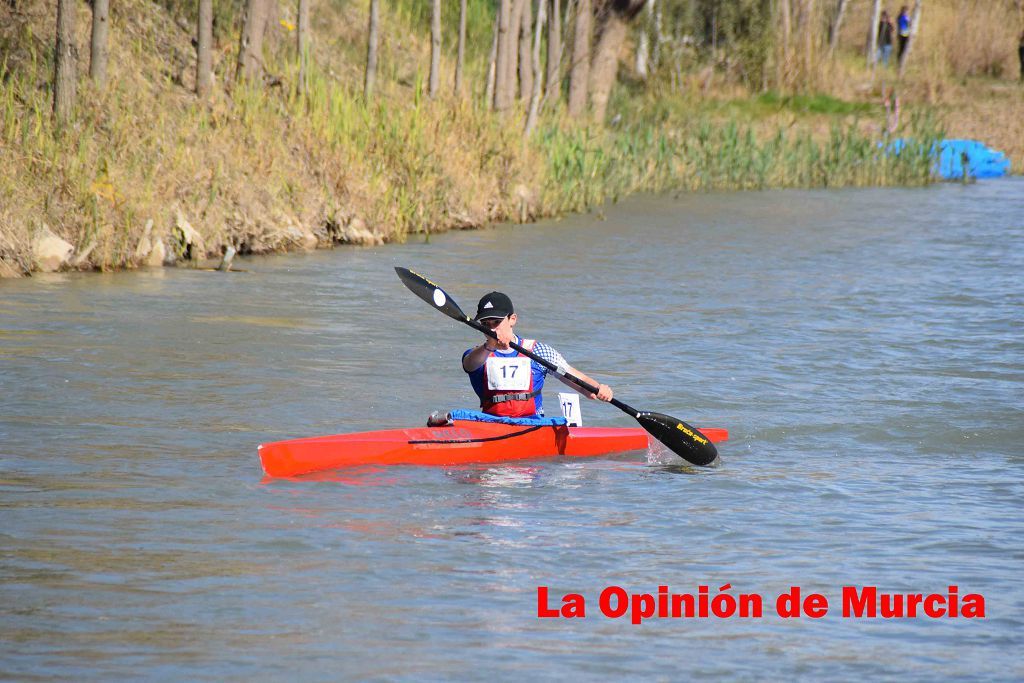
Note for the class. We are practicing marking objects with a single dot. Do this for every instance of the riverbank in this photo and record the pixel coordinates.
(148, 175)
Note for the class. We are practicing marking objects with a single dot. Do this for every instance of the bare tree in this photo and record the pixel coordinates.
(64, 66)
(537, 92)
(272, 26)
(371, 49)
(876, 13)
(462, 48)
(915, 26)
(250, 49)
(643, 46)
(502, 97)
(98, 44)
(783, 66)
(615, 15)
(808, 30)
(204, 49)
(512, 62)
(435, 48)
(302, 43)
(491, 64)
(554, 74)
(579, 70)
(525, 61)
(656, 48)
(836, 25)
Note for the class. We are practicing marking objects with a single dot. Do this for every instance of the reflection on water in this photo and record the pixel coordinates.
(495, 476)
(862, 347)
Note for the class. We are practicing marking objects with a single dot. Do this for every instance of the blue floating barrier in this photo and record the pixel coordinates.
(952, 155)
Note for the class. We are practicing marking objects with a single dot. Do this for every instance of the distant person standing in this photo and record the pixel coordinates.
(885, 30)
(903, 31)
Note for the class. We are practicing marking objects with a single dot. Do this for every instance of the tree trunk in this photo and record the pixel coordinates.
(250, 50)
(835, 26)
(64, 62)
(501, 99)
(271, 28)
(714, 31)
(492, 64)
(579, 69)
(915, 25)
(876, 13)
(98, 51)
(643, 47)
(525, 61)
(808, 29)
(784, 68)
(302, 43)
(605, 64)
(554, 75)
(786, 13)
(204, 49)
(656, 48)
(512, 63)
(462, 48)
(371, 49)
(435, 48)
(538, 91)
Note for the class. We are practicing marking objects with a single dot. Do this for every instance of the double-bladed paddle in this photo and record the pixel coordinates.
(685, 441)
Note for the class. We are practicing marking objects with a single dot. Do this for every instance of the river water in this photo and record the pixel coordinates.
(863, 347)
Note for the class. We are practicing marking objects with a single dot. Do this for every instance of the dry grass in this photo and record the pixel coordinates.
(993, 113)
(262, 168)
(257, 168)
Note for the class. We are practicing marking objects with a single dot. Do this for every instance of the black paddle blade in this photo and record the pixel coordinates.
(431, 293)
(685, 441)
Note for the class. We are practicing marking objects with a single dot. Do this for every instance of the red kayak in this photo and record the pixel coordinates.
(461, 442)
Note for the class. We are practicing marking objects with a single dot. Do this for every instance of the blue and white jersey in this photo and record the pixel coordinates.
(476, 378)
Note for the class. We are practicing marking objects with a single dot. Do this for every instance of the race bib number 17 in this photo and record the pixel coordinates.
(508, 374)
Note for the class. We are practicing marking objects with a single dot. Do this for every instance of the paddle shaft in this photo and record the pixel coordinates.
(629, 410)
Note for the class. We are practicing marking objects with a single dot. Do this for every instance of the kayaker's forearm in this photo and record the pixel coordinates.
(477, 357)
(604, 391)
(574, 386)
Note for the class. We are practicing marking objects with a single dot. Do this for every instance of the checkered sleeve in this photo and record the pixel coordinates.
(550, 355)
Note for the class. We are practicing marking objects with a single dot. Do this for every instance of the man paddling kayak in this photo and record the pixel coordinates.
(679, 437)
(508, 383)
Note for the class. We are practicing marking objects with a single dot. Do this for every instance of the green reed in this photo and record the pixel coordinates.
(586, 167)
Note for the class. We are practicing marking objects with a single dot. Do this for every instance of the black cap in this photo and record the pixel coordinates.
(493, 305)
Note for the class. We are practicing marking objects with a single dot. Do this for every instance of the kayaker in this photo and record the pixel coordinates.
(508, 383)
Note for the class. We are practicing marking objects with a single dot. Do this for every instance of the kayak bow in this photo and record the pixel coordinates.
(461, 442)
